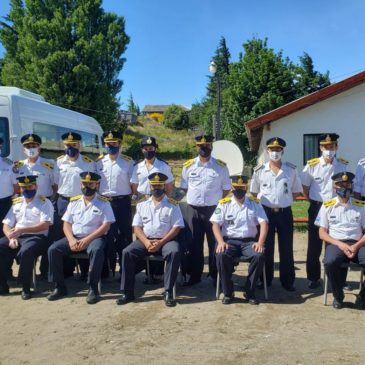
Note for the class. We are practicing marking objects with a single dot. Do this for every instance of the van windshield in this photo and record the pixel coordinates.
(4, 135)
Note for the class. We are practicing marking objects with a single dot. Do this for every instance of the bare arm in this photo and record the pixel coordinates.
(134, 188)
(169, 187)
(305, 192)
(221, 245)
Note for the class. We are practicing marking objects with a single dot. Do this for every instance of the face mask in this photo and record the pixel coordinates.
(204, 151)
(112, 150)
(29, 194)
(88, 191)
(275, 155)
(31, 152)
(149, 155)
(328, 154)
(157, 193)
(239, 193)
(344, 192)
(71, 151)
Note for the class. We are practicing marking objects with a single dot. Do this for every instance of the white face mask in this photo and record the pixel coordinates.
(31, 152)
(328, 154)
(275, 155)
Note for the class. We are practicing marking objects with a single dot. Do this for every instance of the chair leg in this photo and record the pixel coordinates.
(148, 270)
(265, 283)
(35, 275)
(325, 287)
(99, 287)
(361, 277)
(218, 286)
(174, 291)
(77, 267)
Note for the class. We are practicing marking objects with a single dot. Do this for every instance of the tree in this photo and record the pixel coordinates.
(69, 51)
(176, 117)
(132, 106)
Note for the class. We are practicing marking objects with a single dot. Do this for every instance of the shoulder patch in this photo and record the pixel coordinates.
(357, 202)
(330, 202)
(74, 198)
(188, 163)
(17, 200)
(253, 199)
(48, 165)
(7, 160)
(125, 157)
(59, 157)
(313, 161)
(42, 198)
(173, 201)
(103, 198)
(221, 163)
(17, 165)
(258, 167)
(101, 156)
(224, 200)
(87, 159)
(342, 160)
(291, 165)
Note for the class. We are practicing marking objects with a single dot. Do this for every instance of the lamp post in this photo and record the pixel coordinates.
(217, 119)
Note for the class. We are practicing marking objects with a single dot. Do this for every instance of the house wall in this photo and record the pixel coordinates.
(343, 114)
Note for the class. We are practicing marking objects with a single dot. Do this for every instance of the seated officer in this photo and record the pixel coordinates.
(26, 228)
(235, 223)
(341, 222)
(156, 223)
(86, 222)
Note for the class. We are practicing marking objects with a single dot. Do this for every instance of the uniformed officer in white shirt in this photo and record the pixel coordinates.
(6, 183)
(276, 184)
(317, 188)
(341, 222)
(206, 180)
(156, 223)
(116, 170)
(86, 223)
(235, 222)
(359, 182)
(26, 228)
(150, 164)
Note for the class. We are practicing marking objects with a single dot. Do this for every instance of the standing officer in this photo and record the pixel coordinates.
(206, 180)
(25, 228)
(359, 182)
(341, 222)
(235, 222)
(6, 183)
(277, 183)
(156, 224)
(86, 222)
(317, 188)
(116, 170)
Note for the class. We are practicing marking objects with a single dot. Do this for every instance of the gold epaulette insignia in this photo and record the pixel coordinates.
(48, 165)
(258, 167)
(330, 202)
(188, 163)
(74, 198)
(42, 198)
(313, 161)
(59, 157)
(100, 157)
(253, 199)
(173, 201)
(17, 200)
(103, 198)
(221, 163)
(342, 160)
(224, 200)
(125, 157)
(357, 202)
(87, 159)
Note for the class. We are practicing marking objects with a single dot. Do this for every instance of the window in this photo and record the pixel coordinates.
(311, 146)
(4, 134)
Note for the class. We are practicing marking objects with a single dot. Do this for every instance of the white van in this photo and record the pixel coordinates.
(23, 112)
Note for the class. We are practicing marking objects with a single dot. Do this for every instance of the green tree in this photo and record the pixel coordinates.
(175, 117)
(69, 51)
(132, 106)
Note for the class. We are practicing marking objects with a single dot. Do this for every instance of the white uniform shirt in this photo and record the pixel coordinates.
(344, 222)
(140, 174)
(6, 178)
(275, 191)
(359, 182)
(43, 168)
(239, 221)
(87, 218)
(205, 181)
(23, 214)
(68, 174)
(157, 220)
(115, 175)
(317, 176)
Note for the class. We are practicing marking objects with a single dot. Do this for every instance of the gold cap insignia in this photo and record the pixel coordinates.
(70, 136)
(110, 135)
(30, 139)
(203, 140)
(88, 177)
(345, 177)
(156, 178)
(26, 180)
(276, 142)
(240, 181)
(328, 138)
(149, 140)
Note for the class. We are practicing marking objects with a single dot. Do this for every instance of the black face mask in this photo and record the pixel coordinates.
(149, 155)
(204, 151)
(157, 193)
(88, 191)
(239, 193)
(344, 192)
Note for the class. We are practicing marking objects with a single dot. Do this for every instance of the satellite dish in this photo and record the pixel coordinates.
(228, 152)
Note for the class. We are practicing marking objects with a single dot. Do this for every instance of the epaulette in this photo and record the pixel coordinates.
(173, 201)
(137, 162)
(221, 163)
(342, 160)
(258, 167)
(48, 165)
(291, 165)
(253, 198)
(87, 159)
(313, 161)
(74, 198)
(17, 165)
(125, 157)
(362, 161)
(101, 156)
(7, 160)
(224, 200)
(42, 198)
(330, 202)
(17, 200)
(59, 157)
(188, 163)
(357, 202)
(103, 198)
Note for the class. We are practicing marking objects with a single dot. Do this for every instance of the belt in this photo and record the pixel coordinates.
(154, 238)
(117, 197)
(276, 210)
(64, 197)
(350, 242)
(315, 202)
(245, 240)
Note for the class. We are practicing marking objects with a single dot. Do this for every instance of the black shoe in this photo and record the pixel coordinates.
(192, 281)
(92, 296)
(290, 288)
(314, 284)
(250, 298)
(227, 299)
(26, 294)
(169, 299)
(4, 289)
(337, 304)
(57, 293)
(124, 299)
(360, 299)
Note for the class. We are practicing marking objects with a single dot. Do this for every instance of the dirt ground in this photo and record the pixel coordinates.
(291, 328)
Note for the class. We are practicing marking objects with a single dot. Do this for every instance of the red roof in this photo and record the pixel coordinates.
(254, 126)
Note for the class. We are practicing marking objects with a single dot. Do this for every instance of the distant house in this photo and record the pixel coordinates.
(338, 108)
(148, 110)
(125, 116)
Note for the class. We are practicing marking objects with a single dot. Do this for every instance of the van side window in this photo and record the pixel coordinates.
(52, 145)
(4, 134)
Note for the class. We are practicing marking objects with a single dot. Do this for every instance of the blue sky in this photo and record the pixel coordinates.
(172, 41)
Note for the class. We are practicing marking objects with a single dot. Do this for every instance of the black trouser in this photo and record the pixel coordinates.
(314, 243)
(198, 219)
(136, 251)
(5, 205)
(333, 259)
(280, 221)
(30, 247)
(238, 248)
(61, 248)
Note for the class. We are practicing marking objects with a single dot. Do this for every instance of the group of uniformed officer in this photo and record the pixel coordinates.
(93, 199)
